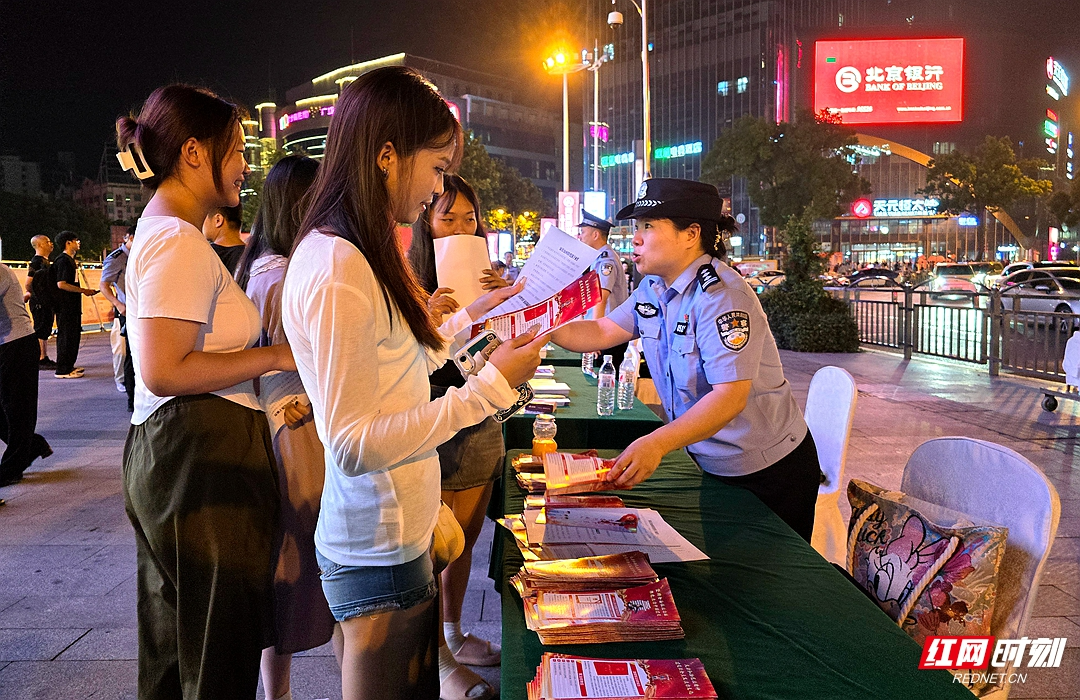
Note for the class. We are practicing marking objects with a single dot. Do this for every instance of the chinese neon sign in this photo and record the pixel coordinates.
(889, 81)
(288, 119)
(668, 152)
(1056, 73)
(617, 159)
(889, 208)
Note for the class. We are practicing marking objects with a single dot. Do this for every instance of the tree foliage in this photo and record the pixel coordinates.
(990, 178)
(792, 168)
(1064, 205)
(802, 256)
(23, 217)
(498, 185)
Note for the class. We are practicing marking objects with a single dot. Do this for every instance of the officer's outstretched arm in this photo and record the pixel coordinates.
(703, 420)
(590, 336)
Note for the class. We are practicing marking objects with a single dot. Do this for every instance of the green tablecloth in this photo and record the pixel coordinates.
(562, 358)
(766, 614)
(578, 425)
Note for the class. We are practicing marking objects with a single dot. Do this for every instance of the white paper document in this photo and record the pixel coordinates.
(459, 262)
(557, 261)
(276, 391)
(654, 536)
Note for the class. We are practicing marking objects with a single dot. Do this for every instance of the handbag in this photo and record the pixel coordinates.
(448, 540)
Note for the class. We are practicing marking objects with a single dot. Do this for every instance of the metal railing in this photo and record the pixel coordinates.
(978, 327)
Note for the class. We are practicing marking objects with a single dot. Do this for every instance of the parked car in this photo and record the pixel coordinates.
(987, 272)
(953, 280)
(1030, 265)
(876, 281)
(876, 273)
(1050, 289)
(765, 279)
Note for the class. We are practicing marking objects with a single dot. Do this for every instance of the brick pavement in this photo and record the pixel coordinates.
(67, 595)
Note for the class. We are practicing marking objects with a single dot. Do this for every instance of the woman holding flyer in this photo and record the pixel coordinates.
(447, 240)
(711, 354)
(364, 343)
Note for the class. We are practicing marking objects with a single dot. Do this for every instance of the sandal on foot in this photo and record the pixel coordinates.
(463, 681)
(478, 652)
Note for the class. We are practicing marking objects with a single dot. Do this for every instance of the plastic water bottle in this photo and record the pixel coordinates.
(605, 389)
(627, 381)
(587, 360)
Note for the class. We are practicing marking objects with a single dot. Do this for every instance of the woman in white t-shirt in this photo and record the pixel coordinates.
(199, 478)
(364, 345)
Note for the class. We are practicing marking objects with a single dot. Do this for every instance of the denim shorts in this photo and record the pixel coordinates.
(356, 591)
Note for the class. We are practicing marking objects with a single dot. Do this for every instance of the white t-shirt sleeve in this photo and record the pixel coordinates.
(177, 279)
(360, 437)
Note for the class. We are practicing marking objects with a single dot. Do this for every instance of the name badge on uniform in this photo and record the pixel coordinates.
(707, 277)
(645, 309)
(682, 326)
(734, 328)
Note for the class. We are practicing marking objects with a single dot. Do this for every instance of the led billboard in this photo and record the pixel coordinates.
(890, 81)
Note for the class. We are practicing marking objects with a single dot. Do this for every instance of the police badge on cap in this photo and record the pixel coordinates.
(665, 198)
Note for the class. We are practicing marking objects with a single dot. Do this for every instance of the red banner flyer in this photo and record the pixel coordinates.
(572, 302)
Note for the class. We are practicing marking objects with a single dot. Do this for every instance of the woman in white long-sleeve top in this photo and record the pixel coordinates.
(365, 343)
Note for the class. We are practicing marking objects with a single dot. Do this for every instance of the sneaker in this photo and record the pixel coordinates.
(46, 363)
(74, 374)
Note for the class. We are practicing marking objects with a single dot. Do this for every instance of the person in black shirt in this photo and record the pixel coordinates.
(41, 297)
(68, 306)
(222, 228)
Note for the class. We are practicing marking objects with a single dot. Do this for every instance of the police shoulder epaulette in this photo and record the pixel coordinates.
(707, 277)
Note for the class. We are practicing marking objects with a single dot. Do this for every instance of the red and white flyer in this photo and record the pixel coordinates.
(572, 302)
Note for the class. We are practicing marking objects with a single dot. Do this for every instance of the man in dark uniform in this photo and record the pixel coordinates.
(593, 232)
(41, 297)
(68, 306)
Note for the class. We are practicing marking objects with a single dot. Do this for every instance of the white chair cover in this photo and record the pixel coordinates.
(993, 484)
(830, 410)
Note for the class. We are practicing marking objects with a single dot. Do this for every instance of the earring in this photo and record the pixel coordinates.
(386, 172)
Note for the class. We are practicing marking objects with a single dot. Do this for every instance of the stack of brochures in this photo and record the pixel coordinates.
(570, 473)
(640, 614)
(610, 571)
(562, 677)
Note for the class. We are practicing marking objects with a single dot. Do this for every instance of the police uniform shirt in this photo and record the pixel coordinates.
(612, 277)
(708, 328)
(113, 271)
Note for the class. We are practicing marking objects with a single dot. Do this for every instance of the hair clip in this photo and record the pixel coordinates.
(132, 160)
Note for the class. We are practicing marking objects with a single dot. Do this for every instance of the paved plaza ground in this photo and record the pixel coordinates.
(67, 556)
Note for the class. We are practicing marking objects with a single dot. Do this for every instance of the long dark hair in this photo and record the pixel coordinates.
(172, 115)
(350, 198)
(422, 248)
(281, 210)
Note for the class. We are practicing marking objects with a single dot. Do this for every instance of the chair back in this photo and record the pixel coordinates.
(830, 409)
(993, 484)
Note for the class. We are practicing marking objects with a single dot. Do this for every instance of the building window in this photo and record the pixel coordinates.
(741, 84)
(942, 148)
(723, 88)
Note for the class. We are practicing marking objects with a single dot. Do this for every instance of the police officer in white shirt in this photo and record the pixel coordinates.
(593, 232)
(712, 357)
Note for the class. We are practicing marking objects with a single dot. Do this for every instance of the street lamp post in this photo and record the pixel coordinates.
(593, 63)
(559, 64)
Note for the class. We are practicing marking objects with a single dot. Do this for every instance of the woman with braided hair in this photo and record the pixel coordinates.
(711, 354)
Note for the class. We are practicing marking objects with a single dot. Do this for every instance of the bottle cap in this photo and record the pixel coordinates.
(544, 416)
(607, 359)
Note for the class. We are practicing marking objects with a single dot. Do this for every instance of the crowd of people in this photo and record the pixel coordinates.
(304, 464)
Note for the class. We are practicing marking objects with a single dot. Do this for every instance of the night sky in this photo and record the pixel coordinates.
(67, 69)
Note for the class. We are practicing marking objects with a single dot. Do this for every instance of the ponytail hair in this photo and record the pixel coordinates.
(712, 233)
(169, 117)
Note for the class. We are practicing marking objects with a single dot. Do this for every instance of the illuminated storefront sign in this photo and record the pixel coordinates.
(287, 120)
(862, 208)
(1056, 73)
(890, 81)
(890, 208)
(687, 149)
(617, 159)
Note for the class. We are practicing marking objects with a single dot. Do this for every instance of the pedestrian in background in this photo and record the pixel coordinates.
(68, 305)
(200, 485)
(222, 228)
(302, 618)
(42, 297)
(113, 274)
(18, 382)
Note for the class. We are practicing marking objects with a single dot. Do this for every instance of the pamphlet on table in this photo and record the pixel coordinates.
(563, 677)
(639, 614)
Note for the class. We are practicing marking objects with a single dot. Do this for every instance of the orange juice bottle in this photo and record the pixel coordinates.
(544, 435)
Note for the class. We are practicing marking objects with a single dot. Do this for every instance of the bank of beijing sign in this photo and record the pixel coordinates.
(890, 81)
